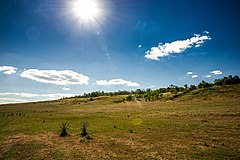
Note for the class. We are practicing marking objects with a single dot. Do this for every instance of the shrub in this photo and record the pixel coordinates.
(129, 98)
(63, 129)
(84, 126)
(84, 132)
(175, 96)
(118, 100)
(88, 137)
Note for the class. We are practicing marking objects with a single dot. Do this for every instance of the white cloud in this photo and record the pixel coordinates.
(151, 86)
(139, 46)
(11, 100)
(197, 45)
(31, 95)
(19, 97)
(178, 46)
(8, 70)
(194, 76)
(65, 89)
(206, 32)
(64, 77)
(189, 73)
(208, 76)
(113, 82)
(216, 72)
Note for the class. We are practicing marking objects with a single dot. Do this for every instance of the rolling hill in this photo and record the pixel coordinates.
(199, 124)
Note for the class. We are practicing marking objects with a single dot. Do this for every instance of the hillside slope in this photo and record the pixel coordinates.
(200, 124)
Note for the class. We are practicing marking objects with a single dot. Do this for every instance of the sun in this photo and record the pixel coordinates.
(86, 10)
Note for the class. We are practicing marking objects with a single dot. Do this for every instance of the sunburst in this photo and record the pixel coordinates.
(86, 11)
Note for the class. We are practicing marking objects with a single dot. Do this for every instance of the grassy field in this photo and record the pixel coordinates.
(203, 124)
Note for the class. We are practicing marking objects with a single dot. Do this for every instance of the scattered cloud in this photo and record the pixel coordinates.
(8, 70)
(11, 100)
(209, 76)
(31, 95)
(65, 89)
(197, 45)
(151, 86)
(64, 77)
(139, 46)
(178, 46)
(216, 72)
(189, 73)
(212, 73)
(19, 97)
(195, 76)
(206, 32)
(113, 82)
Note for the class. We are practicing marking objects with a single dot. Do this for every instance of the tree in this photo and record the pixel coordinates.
(192, 87)
(204, 84)
(230, 80)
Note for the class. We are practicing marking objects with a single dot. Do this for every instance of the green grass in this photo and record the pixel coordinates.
(203, 124)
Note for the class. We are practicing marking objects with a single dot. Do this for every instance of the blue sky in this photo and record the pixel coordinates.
(55, 48)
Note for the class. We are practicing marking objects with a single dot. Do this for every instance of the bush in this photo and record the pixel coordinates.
(84, 132)
(129, 98)
(175, 96)
(84, 126)
(64, 128)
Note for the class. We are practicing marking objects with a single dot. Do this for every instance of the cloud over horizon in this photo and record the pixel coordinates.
(178, 46)
(63, 77)
(216, 72)
(19, 97)
(208, 76)
(65, 89)
(8, 70)
(114, 82)
(194, 76)
(30, 95)
(189, 73)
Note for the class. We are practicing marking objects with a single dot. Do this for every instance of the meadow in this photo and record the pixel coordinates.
(202, 124)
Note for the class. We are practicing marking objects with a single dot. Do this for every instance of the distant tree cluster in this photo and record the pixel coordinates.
(230, 80)
(151, 95)
(204, 84)
(102, 93)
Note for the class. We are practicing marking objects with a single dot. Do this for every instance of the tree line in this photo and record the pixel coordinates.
(150, 95)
